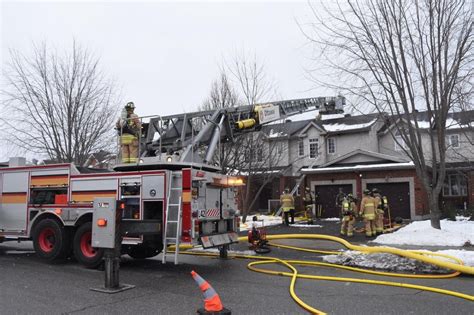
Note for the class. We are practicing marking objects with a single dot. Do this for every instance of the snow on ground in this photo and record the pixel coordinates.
(262, 220)
(331, 219)
(306, 225)
(452, 233)
(467, 256)
(216, 251)
(382, 261)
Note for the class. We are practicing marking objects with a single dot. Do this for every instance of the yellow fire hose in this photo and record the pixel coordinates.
(457, 268)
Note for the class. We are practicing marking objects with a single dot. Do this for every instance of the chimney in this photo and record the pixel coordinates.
(17, 161)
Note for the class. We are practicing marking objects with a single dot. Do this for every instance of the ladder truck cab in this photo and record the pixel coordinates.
(175, 193)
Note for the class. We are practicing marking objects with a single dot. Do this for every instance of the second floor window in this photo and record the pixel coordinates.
(331, 145)
(259, 154)
(400, 143)
(300, 148)
(453, 141)
(313, 148)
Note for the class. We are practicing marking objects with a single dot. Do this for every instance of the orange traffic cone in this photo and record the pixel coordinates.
(212, 301)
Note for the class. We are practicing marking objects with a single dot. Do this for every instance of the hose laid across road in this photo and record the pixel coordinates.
(457, 267)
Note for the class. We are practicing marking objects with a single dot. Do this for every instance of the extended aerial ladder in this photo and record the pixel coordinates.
(192, 138)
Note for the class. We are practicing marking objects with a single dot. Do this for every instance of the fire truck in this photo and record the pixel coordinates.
(175, 193)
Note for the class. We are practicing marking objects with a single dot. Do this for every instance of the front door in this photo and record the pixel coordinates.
(326, 197)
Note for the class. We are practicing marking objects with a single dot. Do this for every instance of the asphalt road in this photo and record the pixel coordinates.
(30, 286)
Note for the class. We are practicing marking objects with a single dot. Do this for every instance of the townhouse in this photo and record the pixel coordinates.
(353, 153)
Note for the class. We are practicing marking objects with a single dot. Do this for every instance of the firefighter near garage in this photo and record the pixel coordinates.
(288, 206)
(308, 200)
(367, 211)
(348, 213)
(380, 203)
(129, 129)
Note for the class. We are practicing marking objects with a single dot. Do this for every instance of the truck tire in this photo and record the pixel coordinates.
(85, 254)
(143, 251)
(51, 240)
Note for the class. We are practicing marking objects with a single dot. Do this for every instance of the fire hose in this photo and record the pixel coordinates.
(427, 257)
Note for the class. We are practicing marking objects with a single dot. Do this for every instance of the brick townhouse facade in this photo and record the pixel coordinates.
(358, 152)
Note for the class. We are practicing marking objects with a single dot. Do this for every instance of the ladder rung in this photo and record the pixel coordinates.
(176, 188)
(174, 204)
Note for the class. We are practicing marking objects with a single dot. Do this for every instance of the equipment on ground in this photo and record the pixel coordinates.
(257, 238)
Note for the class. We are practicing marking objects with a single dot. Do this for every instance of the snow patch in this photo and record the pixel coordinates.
(467, 256)
(331, 219)
(342, 127)
(262, 220)
(306, 225)
(452, 233)
(216, 250)
(382, 261)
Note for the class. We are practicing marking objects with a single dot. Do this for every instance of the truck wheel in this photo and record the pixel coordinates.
(50, 240)
(143, 252)
(83, 251)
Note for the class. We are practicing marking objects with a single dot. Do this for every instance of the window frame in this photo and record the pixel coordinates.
(300, 148)
(450, 142)
(311, 143)
(398, 138)
(333, 140)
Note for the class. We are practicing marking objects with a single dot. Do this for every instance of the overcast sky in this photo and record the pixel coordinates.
(165, 55)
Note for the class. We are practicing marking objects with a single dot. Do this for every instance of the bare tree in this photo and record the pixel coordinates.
(60, 105)
(244, 82)
(222, 94)
(401, 56)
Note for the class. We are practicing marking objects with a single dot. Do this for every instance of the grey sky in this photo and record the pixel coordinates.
(165, 55)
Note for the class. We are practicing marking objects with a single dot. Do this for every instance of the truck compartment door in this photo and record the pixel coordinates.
(14, 201)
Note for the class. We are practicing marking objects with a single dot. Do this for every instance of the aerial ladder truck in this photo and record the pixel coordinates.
(175, 193)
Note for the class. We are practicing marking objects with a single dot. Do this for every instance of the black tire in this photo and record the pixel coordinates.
(262, 249)
(51, 240)
(83, 251)
(143, 251)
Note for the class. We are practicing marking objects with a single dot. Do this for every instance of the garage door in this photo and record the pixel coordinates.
(398, 195)
(327, 198)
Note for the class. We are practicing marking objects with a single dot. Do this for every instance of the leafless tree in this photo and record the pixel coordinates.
(400, 56)
(244, 82)
(222, 94)
(59, 104)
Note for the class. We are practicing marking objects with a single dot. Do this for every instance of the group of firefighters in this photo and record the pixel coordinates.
(372, 209)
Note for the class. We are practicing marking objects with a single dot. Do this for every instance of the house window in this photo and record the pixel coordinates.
(455, 185)
(400, 143)
(453, 141)
(331, 145)
(279, 148)
(300, 148)
(313, 148)
(259, 154)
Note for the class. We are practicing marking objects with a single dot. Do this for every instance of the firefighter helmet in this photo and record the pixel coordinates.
(366, 192)
(130, 105)
(375, 191)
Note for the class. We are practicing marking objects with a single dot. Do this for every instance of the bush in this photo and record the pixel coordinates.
(449, 212)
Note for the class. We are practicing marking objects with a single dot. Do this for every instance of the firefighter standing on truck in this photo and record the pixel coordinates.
(379, 211)
(288, 206)
(367, 211)
(129, 129)
(349, 210)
